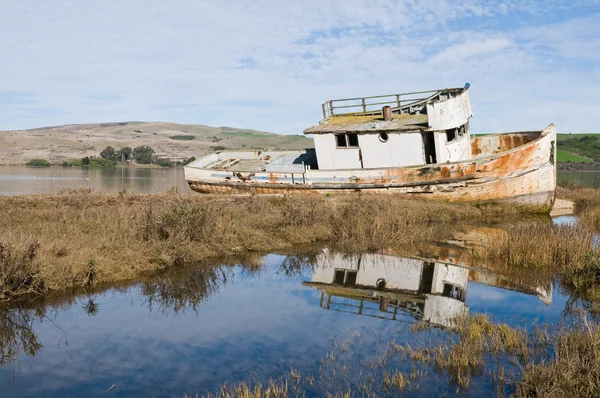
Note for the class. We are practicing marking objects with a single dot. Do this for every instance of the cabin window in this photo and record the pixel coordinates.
(346, 140)
(339, 276)
(353, 140)
(383, 137)
(345, 277)
(351, 278)
(450, 135)
(454, 291)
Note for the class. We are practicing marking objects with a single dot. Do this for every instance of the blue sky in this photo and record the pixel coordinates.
(268, 64)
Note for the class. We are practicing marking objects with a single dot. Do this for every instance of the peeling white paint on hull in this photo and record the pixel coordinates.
(514, 167)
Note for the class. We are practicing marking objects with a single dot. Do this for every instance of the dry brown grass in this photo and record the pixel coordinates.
(18, 268)
(274, 389)
(537, 246)
(537, 254)
(572, 371)
(587, 204)
(584, 198)
(85, 238)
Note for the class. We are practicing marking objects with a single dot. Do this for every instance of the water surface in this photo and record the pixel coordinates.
(21, 180)
(191, 330)
(590, 179)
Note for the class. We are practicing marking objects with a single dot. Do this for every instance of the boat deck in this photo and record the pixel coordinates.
(271, 162)
(358, 123)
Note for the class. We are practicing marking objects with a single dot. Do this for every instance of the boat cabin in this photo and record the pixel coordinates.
(398, 130)
(414, 143)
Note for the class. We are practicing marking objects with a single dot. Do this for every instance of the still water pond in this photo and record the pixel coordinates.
(190, 331)
(20, 180)
(589, 179)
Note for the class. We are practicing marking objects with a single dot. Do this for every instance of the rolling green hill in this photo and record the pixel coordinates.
(564, 156)
(578, 148)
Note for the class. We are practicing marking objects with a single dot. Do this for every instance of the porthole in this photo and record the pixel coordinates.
(383, 137)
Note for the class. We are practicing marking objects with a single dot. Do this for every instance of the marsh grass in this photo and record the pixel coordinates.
(563, 363)
(573, 369)
(539, 254)
(18, 268)
(475, 340)
(273, 389)
(587, 204)
(84, 238)
(537, 246)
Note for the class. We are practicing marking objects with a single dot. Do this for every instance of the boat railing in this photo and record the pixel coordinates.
(367, 106)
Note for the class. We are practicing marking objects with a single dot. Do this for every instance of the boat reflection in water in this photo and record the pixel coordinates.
(402, 288)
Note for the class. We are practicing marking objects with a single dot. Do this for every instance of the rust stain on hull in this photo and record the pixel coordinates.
(520, 169)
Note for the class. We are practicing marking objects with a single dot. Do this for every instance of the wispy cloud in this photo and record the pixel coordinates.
(268, 65)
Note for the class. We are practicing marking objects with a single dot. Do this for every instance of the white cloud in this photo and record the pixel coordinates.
(268, 65)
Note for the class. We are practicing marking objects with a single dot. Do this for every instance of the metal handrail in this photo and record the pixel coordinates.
(364, 107)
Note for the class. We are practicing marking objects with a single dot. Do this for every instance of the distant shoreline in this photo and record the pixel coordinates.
(581, 167)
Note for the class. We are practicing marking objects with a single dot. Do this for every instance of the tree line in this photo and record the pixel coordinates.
(142, 155)
(110, 156)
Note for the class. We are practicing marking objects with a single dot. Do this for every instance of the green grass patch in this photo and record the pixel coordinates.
(38, 163)
(584, 145)
(564, 156)
(183, 137)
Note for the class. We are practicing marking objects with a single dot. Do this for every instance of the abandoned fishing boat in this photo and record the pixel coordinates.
(417, 143)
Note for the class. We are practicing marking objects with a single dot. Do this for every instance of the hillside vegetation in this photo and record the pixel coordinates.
(66, 143)
(564, 156)
(578, 148)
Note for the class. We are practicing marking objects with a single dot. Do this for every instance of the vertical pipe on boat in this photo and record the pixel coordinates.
(387, 113)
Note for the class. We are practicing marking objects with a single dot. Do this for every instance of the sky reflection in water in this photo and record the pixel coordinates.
(253, 325)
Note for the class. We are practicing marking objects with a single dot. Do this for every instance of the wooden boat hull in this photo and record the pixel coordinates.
(514, 167)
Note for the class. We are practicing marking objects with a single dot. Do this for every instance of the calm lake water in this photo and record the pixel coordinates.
(191, 330)
(20, 180)
(587, 178)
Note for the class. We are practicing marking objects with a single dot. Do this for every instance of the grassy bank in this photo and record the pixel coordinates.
(82, 238)
(587, 203)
